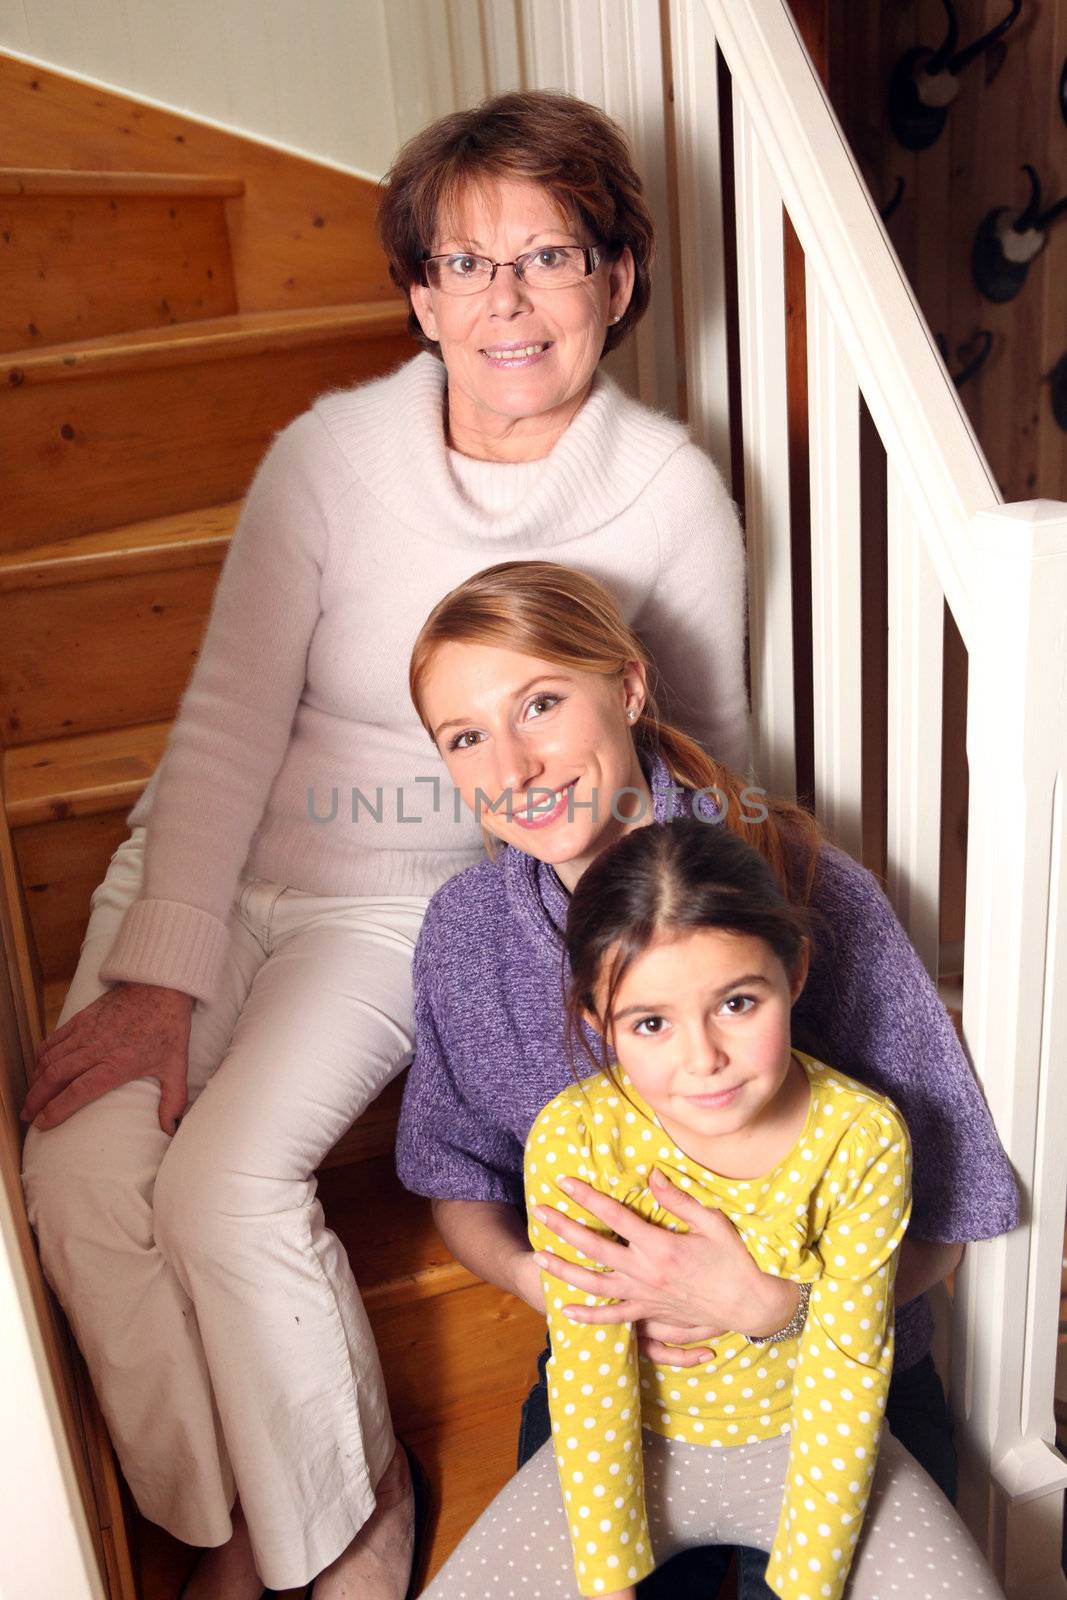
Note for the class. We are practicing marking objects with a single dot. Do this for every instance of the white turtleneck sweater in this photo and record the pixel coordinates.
(358, 521)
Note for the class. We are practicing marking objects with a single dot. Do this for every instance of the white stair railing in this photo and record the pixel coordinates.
(1003, 572)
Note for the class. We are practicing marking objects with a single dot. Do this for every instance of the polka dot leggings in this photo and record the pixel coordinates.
(913, 1544)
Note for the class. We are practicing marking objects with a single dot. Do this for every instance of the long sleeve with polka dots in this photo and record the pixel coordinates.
(845, 1358)
(832, 1214)
(593, 1385)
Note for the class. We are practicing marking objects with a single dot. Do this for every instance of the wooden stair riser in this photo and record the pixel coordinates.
(447, 1356)
(94, 655)
(60, 864)
(78, 266)
(108, 448)
(468, 1461)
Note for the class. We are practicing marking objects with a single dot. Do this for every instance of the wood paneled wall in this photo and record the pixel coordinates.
(1006, 113)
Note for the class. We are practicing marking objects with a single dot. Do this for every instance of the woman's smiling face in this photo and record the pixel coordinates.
(542, 744)
(500, 404)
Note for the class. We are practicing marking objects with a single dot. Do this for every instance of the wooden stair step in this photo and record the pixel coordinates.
(98, 638)
(187, 539)
(390, 1232)
(84, 776)
(89, 254)
(107, 432)
(182, 343)
(78, 181)
(67, 801)
(449, 1343)
(77, 613)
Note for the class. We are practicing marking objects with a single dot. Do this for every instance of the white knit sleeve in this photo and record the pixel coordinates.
(235, 720)
(694, 620)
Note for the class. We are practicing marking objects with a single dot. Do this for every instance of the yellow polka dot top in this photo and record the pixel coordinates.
(831, 1214)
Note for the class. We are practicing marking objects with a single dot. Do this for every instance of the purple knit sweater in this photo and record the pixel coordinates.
(489, 977)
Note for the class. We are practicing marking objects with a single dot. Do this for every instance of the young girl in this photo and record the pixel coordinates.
(686, 960)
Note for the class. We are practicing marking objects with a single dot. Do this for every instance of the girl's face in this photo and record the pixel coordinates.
(519, 360)
(700, 1023)
(540, 754)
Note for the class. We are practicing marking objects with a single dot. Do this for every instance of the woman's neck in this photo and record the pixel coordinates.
(484, 436)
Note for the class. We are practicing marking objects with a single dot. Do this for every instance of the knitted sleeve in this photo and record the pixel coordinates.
(844, 1359)
(593, 1386)
(871, 1009)
(449, 1145)
(235, 720)
(694, 621)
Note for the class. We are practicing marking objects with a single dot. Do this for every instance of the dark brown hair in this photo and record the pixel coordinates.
(569, 147)
(681, 877)
(553, 612)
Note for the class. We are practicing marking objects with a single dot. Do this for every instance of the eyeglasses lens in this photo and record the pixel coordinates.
(554, 268)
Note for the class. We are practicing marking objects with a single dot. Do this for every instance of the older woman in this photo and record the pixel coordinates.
(247, 963)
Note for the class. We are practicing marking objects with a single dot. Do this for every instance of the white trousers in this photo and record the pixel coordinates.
(217, 1313)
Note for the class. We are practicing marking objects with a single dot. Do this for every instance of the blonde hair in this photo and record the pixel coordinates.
(544, 609)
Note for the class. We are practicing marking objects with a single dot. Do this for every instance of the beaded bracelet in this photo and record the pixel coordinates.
(793, 1326)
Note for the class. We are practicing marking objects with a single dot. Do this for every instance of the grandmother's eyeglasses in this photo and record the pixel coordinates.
(552, 267)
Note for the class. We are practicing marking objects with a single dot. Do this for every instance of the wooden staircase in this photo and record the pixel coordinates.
(149, 357)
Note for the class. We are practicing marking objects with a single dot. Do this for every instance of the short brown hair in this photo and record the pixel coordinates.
(573, 149)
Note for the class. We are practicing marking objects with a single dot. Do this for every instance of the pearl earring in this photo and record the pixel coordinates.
(631, 714)
(617, 317)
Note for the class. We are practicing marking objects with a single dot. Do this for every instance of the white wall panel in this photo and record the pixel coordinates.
(104, 38)
(252, 98)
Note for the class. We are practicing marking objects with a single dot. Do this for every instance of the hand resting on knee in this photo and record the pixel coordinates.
(135, 1030)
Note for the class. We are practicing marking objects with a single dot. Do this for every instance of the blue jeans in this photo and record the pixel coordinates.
(916, 1412)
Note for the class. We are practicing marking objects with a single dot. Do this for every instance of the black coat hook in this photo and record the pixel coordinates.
(974, 354)
(925, 82)
(894, 200)
(1006, 242)
(1058, 385)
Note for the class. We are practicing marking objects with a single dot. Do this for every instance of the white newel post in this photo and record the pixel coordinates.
(1015, 1025)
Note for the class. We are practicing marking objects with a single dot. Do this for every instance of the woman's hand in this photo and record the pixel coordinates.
(679, 1287)
(135, 1030)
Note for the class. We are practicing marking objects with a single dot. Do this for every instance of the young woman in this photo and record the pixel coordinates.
(532, 687)
(686, 958)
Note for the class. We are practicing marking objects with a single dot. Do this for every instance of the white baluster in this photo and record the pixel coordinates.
(701, 246)
(916, 646)
(765, 428)
(1015, 1025)
(836, 598)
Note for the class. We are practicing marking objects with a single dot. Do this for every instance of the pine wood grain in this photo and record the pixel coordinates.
(106, 653)
(209, 339)
(160, 544)
(60, 866)
(75, 266)
(302, 234)
(81, 776)
(150, 431)
(66, 181)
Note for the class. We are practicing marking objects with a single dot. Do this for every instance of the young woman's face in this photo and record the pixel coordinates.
(518, 359)
(701, 1024)
(550, 749)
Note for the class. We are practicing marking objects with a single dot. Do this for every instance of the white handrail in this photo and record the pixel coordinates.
(910, 395)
